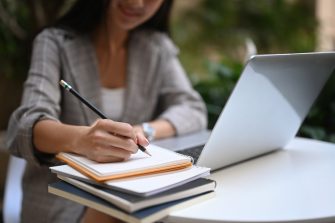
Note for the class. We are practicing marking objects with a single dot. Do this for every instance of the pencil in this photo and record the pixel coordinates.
(93, 108)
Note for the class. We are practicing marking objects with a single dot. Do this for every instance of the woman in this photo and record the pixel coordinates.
(118, 55)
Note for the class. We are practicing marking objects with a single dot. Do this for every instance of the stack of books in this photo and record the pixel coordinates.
(141, 189)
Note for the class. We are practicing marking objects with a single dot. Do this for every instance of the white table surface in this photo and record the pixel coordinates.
(295, 184)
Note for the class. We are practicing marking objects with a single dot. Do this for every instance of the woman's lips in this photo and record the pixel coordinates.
(130, 12)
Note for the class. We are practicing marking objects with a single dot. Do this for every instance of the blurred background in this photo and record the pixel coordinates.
(215, 39)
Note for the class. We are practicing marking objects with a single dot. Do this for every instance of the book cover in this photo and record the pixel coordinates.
(141, 186)
(146, 215)
(162, 160)
(131, 203)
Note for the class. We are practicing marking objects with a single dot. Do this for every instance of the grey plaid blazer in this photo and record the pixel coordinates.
(156, 87)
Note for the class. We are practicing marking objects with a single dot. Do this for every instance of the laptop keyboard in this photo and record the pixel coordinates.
(193, 152)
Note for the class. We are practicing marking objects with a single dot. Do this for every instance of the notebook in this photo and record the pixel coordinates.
(147, 215)
(162, 160)
(267, 106)
(147, 185)
(130, 203)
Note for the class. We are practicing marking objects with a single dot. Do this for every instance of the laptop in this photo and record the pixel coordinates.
(266, 108)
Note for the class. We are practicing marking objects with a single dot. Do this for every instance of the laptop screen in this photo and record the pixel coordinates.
(267, 106)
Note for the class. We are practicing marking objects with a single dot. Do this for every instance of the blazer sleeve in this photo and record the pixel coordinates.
(40, 100)
(181, 104)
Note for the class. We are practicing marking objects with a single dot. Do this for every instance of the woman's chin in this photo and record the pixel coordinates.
(126, 25)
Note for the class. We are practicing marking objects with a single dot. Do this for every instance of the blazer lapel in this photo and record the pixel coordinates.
(130, 93)
(140, 75)
(82, 64)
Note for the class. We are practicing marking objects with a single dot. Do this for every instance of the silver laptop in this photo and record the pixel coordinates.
(267, 106)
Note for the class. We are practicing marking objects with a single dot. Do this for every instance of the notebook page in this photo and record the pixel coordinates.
(139, 161)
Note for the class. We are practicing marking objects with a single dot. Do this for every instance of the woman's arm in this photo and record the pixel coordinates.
(104, 141)
(178, 108)
(162, 127)
(41, 97)
(180, 104)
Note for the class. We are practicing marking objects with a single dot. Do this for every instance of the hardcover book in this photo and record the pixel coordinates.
(146, 215)
(130, 203)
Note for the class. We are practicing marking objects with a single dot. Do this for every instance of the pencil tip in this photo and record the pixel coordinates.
(146, 151)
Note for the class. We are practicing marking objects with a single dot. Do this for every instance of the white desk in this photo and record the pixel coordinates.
(296, 184)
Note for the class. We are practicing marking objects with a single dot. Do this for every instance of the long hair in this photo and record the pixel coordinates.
(86, 15)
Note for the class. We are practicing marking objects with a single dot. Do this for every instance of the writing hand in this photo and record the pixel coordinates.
(109, 141)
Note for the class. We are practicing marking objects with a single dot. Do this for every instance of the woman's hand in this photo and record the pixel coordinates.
(103, 141)
(109, 141)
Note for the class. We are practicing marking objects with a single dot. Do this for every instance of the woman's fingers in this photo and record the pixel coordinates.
(108, 154)
(116, 128)
(141, 139)
(113, 141)
(105, 139)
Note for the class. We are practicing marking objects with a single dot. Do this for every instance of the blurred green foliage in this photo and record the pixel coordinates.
(275, 25)
(19, 22)
(219, 29)
(320, 122)
(216, 88)
(13, 48)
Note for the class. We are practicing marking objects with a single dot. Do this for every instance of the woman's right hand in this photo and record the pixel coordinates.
(106, 141)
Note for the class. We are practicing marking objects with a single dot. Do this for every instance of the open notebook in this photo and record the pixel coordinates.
(162, 160)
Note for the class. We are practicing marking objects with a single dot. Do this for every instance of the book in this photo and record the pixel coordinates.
(130, 203)
(141, 185)
(150, 214)
(162, 160)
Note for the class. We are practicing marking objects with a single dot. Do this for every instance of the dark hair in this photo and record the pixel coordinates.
(86, 15)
